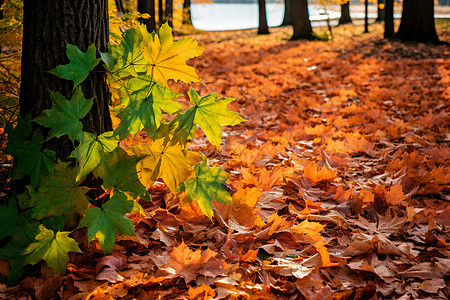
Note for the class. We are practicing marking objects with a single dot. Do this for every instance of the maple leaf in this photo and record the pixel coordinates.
(58, 194)
(395, 195)
(163, 159)
(118, 172)
(207, 185)
(109, 220)
(64, 116)
(127, 58)
(31, 158)
(210, 114)
(80, 64)
(168, 59)
(190, 264)
(145, 107)
(51, 248)
(317, 174)
(91, 149)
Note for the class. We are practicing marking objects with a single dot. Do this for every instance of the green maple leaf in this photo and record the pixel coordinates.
(118, 172)
(91, 149)
(210, 114)
(163, 159)
(128, 55)
(167, 59)
(80, 64)
(31, 158)
(207, 185)
(109, 220)
(145, 107)
(64, 116)
(52, 249)
(58, 194)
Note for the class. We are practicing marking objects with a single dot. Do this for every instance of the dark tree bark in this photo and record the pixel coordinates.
(380, 11)
(169, 12)
(300, 20)
(389, 19)
(417, 22)
(263, 28)
(147, 6)
(287, 19)
(47, 27)
(187, 12)
(345, 14)
(366, 16)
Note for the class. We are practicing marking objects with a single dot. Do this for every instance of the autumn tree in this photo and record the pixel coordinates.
(380, 11)
(300, 20)
(187, 12)
(389, 19)
(48, 26)
(287, 19)
(147, 7)
(345, 13)
(263, 28)
(417, 22)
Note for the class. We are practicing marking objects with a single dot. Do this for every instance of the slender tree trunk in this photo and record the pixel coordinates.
(187, 12)
(389, 19)
(48, 26)
(300, 20)
(169, 12)
(147, 6)
(418, 22)
(119, 6)
(380, 11)
(345, 14)
(161, 19)
(287, 19)
(366, 16)
(263, 28)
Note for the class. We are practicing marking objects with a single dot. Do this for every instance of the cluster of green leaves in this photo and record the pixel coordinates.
(139, 68)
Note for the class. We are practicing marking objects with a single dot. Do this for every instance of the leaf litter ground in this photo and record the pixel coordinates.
(339, 181)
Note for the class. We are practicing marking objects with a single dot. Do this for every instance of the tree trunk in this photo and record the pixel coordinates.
(47, 27)
(389, 19)
(169, 12)
(263, 28)
(287, 19)
(187, 12)
(345, 14)
(147, 6)
(366, 16)
(417, 22)
(161, 19)
(120, 9)
(380, 11)
(300, 20)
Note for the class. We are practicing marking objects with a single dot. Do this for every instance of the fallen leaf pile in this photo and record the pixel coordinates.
(339, 181)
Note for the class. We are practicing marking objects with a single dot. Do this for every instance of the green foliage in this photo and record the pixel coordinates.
(51, 248)
(64, 116)
(80, 64)
(207, 185)
(109, 220)
(138, 66)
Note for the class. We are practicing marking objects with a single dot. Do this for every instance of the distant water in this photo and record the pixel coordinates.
(233, 16)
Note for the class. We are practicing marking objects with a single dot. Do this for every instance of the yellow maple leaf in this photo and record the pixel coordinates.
(168, 59)
(164, 160)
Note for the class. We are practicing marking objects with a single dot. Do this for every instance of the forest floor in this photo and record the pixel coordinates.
(340, 181)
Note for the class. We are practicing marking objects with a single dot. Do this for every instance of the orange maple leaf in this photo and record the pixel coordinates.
(190, 264)
(318, 174)
(395, 195)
